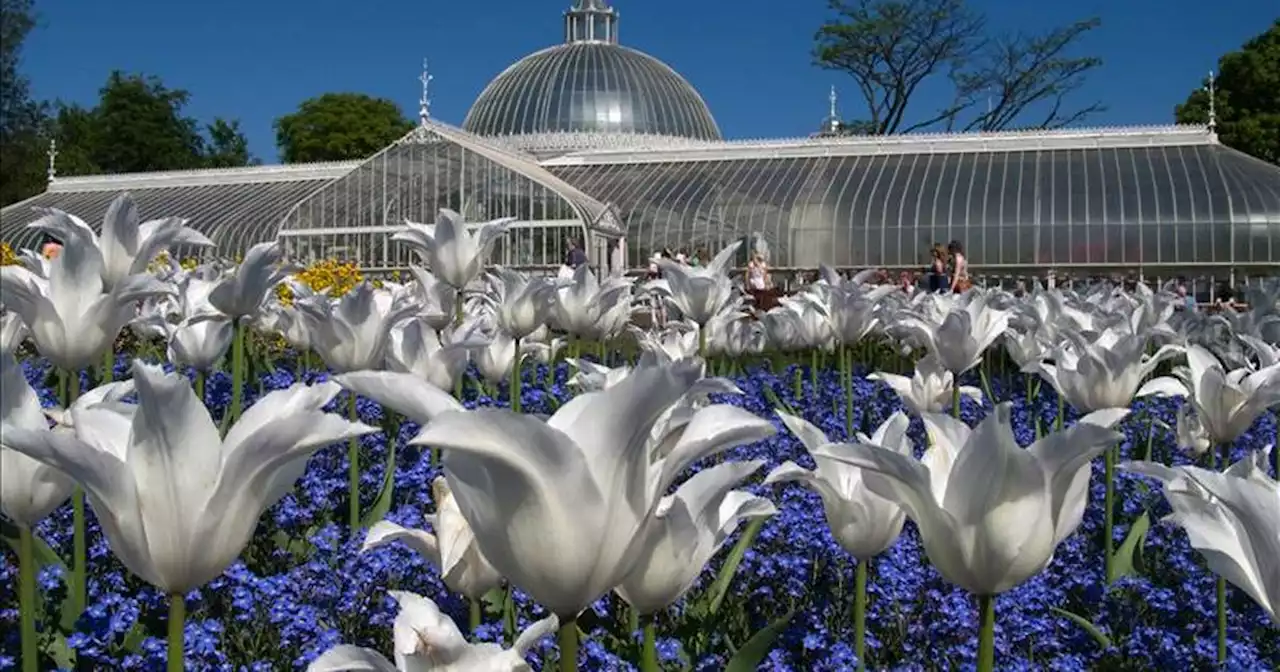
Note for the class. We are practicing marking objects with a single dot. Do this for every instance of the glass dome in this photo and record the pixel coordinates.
(591, 84)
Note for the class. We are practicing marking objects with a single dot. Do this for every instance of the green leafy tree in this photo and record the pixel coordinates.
(339, 126)
(22, 170)
(893, 49)
(1246, 98)
(227, 147)
(138, 125)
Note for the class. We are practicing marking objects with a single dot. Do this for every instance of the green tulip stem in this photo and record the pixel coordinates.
(476, 614)
(1062, 413)
(79, 583)
(199, 386)
(27, 598)
(702, 341)
(177, 618)
(567, 639)
(955, 399)
(353, 468)
(1220, 590)
(513, 389)
(813, 370)
(987, 633)
(237, 371)
(1108, 513)
(860, 614)
(108, 365)
(649, 652)
(846, 374)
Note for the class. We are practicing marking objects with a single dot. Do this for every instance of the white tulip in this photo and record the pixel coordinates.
(126, 247)
(454, 253)
(699, 292)
(990, 513)
(427, 640)
(413, 347)
(564, 508)
(582, 302)
(693, 524)
(1227, 404)
(204, 334)
(963, 334)
(177, 502)
(1106, 371)
(405, 393)
(243, 291)
(496, 359)
(439, 300)
(676, 341)
(1190, 432)
(13, 331)
(29, 490)
(862, 522)
(523, 303)
(452, 549)
(72, 321)
(1232, 518)
(930, 389)
(351, 333)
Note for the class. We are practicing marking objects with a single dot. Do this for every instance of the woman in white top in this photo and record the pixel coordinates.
(757, 273)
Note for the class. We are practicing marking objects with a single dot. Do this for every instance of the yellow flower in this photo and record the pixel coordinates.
(328, 276)
(7, 255)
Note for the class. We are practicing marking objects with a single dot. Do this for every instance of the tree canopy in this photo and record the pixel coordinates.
(1246, 98)
(138, 125)
(894, 49)
(339, 126)
(22, 173)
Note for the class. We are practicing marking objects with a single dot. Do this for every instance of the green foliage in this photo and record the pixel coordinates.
(1247, 98)
(138, 125)
(339, 126)
(23, 172)
(894, 48)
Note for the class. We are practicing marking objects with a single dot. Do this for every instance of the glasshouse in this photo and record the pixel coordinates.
(595, 142)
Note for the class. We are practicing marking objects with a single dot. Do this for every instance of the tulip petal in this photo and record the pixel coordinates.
(258, 471)
(529, 496)
(612, 427)
(404, 393)
(810, 436)
(1064, 456)
(421, 630)
(174, 455)
(385, 532)
(531, 635)
(711, 430)
(348, 658)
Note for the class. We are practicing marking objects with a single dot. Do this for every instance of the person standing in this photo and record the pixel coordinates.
(936, 276)
(576, 255)
(959, 267)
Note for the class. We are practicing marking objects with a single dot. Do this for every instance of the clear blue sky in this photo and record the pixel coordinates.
(750, 59)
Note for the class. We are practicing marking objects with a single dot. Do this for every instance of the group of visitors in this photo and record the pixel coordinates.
(948, 269)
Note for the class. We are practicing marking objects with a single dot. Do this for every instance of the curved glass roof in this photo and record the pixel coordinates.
(236, 208)
(1180, 204)
(591, 87)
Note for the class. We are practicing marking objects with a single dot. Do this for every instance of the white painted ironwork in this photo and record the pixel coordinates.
(922, 143)
(205, 177)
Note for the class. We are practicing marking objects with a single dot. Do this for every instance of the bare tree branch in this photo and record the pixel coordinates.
(891, 48)
(894, 49)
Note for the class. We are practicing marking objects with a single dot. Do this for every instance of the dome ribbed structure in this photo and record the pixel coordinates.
(591, 84)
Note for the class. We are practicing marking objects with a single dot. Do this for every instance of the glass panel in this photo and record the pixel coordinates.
(1243, 243)
(1144, 178)
(943, 198)
(971, 197)
(1182, 194)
